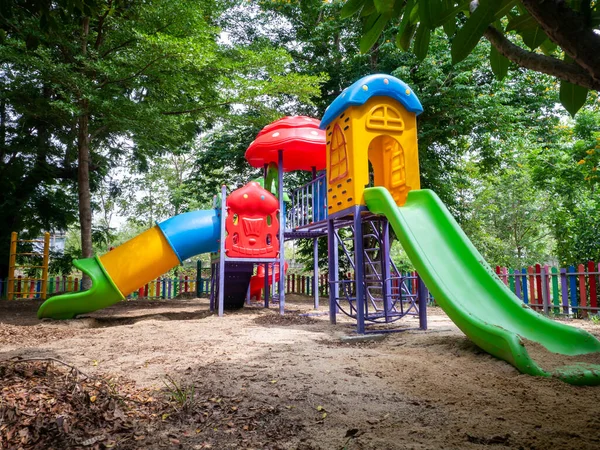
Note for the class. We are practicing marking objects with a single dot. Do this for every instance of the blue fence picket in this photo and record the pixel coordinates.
(573, 288)
(524, 277)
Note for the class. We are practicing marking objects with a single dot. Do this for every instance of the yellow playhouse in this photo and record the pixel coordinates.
(373, 121)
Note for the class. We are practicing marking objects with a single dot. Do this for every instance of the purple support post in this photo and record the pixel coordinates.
(359, 271)
(385, 267)
(222, 253)
(313, 195)
(422, 295)
(281, 285)
(267, 288)
(248, 294)
(333, 270)
(273, 278)
(315, 265)
(213, 286)
(517, 273)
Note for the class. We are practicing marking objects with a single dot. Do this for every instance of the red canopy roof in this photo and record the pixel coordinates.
(300, 138)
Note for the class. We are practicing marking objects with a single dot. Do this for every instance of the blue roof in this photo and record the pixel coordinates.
(372, 86)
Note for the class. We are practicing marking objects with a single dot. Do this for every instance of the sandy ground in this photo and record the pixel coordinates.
(299, 386)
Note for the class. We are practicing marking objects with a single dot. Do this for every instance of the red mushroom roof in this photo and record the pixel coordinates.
(300, 138)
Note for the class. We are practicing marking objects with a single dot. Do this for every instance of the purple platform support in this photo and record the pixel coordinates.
(267, 287)
(333, 270)
(359, 272)
(316, 272)
(281, 234)
(222, 252)
(386, 287)
(422, 299)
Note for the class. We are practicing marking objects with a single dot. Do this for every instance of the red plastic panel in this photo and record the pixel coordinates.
(251, 223)
(257, 282)
(300, 138)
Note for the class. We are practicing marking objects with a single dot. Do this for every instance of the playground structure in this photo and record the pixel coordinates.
(371, 124)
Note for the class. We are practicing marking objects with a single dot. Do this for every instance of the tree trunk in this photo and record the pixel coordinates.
(83, 168)
(83, 185)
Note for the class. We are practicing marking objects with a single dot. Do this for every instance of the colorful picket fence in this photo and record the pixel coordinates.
(30, 287)
(164, 288)
(304, 284)
(572, 290)
(168, 288)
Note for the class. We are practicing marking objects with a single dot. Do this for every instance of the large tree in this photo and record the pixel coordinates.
(556, 37)
(113, 79)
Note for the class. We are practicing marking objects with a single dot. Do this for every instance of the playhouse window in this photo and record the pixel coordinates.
(384, 117)
(338, 158)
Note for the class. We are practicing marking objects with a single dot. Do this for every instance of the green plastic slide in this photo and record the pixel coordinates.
(102, 294)
(474, 298)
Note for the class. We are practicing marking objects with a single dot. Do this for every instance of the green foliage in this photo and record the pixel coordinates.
(498, 63)
(61, 263)
(508, 218)
(146, 78)
(566, 166)
(511, 26)
(467, 114)
(572, 96)
(472, 31)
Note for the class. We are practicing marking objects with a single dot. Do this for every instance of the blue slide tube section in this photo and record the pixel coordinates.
(193, 233)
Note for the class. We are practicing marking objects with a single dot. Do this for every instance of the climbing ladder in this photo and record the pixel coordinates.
(373, 291)
(22, 289)
(398, 187)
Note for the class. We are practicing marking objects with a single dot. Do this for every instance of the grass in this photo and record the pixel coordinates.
(181, 397)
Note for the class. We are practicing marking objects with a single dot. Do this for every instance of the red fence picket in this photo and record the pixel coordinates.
(592, 280)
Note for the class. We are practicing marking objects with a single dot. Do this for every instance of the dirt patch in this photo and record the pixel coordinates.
(252, 379)
(550, 361)
(33, 335)
(291, 318)
(22, 312)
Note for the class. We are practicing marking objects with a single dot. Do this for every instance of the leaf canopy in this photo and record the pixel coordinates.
(534, 41)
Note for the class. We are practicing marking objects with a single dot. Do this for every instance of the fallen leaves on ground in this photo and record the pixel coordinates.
(45, 406)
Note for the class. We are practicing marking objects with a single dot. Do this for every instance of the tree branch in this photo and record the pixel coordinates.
(570, 31)
(194, 110)
(101, 19)
(18, 359)
(572, 73)
(137, 74)
(130, 41)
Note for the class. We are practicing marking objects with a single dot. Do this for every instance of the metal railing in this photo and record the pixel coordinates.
(309, 204)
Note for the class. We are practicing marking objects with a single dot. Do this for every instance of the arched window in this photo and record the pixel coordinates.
(338, 157)
(384, 117)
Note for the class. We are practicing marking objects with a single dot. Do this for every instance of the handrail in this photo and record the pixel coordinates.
(309, 203)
